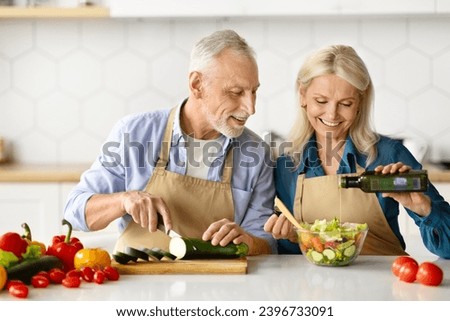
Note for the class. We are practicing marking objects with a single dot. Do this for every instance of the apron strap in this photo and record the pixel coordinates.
(167, 141)
(228, 168)
(298, 198)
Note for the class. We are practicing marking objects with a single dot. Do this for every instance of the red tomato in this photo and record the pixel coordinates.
(56, 275)
(18, 290)
(408, 271)
(71, 282)
(331, 244)
(399, 261)
(99, 277)
(87, 273)
(10, 283)
(74, 272)
(39, 281)
(45, 274)
(111, 273)
(429, 274)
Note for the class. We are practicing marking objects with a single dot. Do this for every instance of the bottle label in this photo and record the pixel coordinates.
(396, 183)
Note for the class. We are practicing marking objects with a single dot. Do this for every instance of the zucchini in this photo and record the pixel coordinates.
(25, 270)
(163, 254)
(188, 248)
(153, 254)
(135, 253)
(123, 258)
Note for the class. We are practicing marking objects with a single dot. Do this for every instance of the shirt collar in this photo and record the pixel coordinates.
(350, 160)
(178, 137)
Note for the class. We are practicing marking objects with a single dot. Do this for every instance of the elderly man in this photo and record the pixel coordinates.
(195, 168)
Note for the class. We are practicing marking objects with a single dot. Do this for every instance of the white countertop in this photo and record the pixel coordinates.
(269, 278)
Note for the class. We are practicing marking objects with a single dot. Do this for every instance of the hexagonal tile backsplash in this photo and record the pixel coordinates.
(64, 83)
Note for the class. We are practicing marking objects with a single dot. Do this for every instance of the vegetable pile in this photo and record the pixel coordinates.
(331, 243)
(407, 269)
(25, 263)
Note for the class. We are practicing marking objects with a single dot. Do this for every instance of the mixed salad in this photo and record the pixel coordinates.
(330, 242)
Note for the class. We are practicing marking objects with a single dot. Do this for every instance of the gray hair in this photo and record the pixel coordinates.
(211, 46)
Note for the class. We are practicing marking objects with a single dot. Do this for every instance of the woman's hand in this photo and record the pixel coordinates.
(281, 228)
(417, 202)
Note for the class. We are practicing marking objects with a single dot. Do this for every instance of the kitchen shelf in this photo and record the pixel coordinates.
(39, 173)
(275, 8)
(11, 12)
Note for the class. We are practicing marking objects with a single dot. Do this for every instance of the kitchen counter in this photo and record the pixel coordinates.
(72, 172)
(269, 278)
(32, 173)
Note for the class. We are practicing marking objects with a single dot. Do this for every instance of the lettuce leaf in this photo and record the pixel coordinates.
(8, 259)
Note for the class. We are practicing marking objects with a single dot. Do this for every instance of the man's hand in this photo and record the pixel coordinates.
(144, 209)
(225, 231)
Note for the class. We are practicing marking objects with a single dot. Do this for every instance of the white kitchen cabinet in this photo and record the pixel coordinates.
(37, 204)
(41, 206)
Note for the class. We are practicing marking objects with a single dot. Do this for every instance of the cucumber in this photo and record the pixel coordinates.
(188, 248)
(329, 254)
(350, 251)
(25, 270)
(345, 245)
(316, 256)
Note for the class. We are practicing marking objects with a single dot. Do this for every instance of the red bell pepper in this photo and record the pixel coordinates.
(65, 247)
(13, 242)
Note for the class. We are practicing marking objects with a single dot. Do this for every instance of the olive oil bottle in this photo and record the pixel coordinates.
(371, 181)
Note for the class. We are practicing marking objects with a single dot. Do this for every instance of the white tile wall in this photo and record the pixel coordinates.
(64, 83)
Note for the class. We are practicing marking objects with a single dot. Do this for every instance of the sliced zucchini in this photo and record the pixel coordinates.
(123, 258)
(153, 255)
(165, 254)
(138, 254)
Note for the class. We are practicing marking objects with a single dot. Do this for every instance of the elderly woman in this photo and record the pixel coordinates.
(333, 136)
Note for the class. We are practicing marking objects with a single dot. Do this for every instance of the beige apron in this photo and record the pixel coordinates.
(193, 203)
(321, 198)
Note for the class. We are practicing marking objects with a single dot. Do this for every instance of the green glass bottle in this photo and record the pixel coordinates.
(371, 182)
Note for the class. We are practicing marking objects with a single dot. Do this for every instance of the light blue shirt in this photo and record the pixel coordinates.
(131, 151)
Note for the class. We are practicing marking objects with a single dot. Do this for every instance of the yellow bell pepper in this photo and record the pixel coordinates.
(27, 236)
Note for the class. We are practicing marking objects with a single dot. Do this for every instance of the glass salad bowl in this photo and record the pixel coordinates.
(330, 243)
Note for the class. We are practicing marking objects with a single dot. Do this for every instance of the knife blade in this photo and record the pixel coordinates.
(170, 233)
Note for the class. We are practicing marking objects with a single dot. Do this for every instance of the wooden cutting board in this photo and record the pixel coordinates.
(210, 266)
